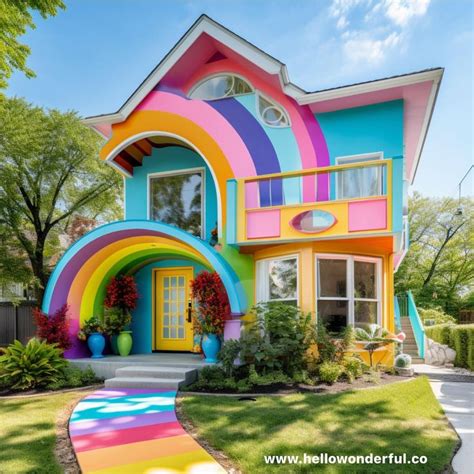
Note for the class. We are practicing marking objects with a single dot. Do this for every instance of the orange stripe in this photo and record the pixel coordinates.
(136, 452)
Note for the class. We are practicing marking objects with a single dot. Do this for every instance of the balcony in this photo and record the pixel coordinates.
(319, 203)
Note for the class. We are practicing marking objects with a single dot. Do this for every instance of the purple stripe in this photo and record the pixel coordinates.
(258, 144)
(320, 148)
(80, 428)
(70, 271)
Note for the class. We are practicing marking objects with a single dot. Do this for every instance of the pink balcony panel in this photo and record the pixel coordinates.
(368, 215)
(251, 195)
(263, 224)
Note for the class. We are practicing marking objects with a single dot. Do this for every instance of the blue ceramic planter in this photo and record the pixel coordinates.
(211, 345)
(96, 343)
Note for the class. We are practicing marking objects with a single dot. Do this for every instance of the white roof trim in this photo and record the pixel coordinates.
(203, 25)
(426, 124)
(372, 86)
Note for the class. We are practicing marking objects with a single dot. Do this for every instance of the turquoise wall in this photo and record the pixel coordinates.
(161, 160)
(369, 129)
(142, 324)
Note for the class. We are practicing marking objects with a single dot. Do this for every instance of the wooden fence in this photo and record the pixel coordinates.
(16, 322)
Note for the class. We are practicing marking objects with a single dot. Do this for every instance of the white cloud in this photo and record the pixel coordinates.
(342, 23)
(402, 11)
(362, 48)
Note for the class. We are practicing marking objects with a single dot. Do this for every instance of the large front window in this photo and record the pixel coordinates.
(277, 280)
(177, 199)
(348, 291)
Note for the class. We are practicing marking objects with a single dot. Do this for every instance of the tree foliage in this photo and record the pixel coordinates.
(439, 266)
(49, 173)
(15, 18)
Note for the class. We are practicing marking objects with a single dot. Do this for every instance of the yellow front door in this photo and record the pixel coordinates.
(173, 324)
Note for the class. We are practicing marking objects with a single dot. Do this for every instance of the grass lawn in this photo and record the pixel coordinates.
(27, 432)
(401, 418)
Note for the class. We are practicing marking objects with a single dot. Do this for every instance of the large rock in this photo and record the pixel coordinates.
(438, 354)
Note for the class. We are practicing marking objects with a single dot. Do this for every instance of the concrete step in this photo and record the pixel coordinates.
(144, 382)
(417, 360)
(159, 372)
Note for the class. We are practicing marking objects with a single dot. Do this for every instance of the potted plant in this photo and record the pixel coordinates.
(116, 321)
(92, 331)
(213, 310)
(122, 296)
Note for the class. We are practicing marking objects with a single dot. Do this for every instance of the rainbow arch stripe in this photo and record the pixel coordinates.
(234, 142)
(81, 275)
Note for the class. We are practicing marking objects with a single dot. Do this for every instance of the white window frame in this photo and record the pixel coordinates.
(350, 297)
(218, 74)
(163, 174)
(261, 270)
(352, 159)
(259, 94)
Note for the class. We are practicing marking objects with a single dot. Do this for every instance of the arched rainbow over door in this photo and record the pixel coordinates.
(81, 275)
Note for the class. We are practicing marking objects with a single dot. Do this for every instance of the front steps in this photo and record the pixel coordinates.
(409, 345)
(152, 377)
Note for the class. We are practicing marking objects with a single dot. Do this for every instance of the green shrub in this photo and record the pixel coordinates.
(213, 378)
(353, 368)
(437, 315)
(459, 337)
(461, 340)
(278, 340)
(332, 348)
(440, 333)
(33, 365)
(270, 378)
(72, 377)
(229, 352)
(329, 372)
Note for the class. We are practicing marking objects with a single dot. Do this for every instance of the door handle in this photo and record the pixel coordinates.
(190, 311)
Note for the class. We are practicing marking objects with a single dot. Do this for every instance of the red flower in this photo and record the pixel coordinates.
(121, 293)
(213, 303)
(53, 328)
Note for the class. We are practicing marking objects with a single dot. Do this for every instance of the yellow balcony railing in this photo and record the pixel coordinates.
(323, 202)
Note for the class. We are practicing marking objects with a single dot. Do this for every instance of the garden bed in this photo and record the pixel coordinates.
(286, 389)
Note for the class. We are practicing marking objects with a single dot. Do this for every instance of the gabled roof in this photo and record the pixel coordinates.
(206, 25)
(419, 89)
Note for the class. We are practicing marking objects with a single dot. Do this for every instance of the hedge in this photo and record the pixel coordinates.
(459, 337)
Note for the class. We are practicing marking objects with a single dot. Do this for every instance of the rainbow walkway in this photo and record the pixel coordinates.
(133, 430)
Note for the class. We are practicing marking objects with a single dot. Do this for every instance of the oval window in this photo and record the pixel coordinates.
(271, 113)
(313, 222)
(220, 87)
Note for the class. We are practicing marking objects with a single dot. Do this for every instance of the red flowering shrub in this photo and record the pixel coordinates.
(54, 328)
(121, 293)
(213, 303)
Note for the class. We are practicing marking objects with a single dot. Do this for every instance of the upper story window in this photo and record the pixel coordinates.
(359, 182)
(220, 87)
(178, 199)
(271, 113)
(277, 280)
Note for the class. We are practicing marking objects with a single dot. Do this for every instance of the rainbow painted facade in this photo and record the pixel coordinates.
(228, 166)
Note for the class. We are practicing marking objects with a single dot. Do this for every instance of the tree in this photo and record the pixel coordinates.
(439, 267)
(15, 18)
(49, 173)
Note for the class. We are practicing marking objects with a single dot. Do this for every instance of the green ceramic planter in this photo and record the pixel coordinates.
(124, 343)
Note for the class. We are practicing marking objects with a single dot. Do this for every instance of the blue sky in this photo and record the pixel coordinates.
(93, 55)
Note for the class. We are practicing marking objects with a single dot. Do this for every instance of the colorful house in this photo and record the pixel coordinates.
(305, 193)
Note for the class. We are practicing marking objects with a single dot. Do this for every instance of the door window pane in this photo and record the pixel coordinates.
(365, 280)
(365, 312)
(333, 314)
(177, 200)
(332, 276)
(282, 279)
